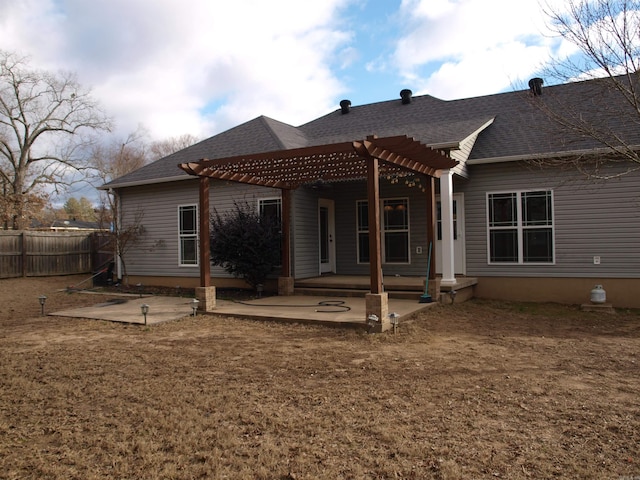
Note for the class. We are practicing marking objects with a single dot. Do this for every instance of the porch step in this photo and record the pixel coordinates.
(354, 292)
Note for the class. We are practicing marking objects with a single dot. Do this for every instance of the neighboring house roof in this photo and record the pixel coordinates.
(500, 127)
(67, 225)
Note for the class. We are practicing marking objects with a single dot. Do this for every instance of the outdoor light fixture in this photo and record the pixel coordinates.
(260, 289)
(139, 285)
(452, 294)
(145, 309)
(42, 299)
(394, 321)
(194, 305)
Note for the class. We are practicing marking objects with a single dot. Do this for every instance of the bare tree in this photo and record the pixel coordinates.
(110, 160)
(163, 148)
(44, 122)
(115, 157)
(606, 37)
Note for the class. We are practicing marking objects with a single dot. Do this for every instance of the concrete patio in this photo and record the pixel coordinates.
(333, 311)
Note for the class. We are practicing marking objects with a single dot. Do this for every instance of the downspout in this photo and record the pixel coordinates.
(117, 220)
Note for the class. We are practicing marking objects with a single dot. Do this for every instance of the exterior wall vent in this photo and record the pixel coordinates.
(345, 106)
(405, 95)
(535, 86)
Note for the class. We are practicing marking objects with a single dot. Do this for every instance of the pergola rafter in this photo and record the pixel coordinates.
(291, 168)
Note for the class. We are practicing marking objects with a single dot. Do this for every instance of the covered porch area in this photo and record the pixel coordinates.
(368, 160)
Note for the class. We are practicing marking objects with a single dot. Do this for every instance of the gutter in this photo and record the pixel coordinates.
(542, 156)
(137, 183)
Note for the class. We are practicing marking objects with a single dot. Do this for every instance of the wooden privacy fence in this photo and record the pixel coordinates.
(40, 254)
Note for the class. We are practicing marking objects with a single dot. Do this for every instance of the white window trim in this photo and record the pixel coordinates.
(261, 200)
(520, 228)
(383, 231)
(181, 236)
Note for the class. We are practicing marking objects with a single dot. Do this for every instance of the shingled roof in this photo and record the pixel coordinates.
(492, 128)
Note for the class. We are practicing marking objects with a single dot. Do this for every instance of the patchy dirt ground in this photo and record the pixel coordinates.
(476, 390)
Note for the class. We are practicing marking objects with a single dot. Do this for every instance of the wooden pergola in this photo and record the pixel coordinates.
(289, 169)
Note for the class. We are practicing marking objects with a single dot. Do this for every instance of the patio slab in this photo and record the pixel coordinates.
(334, 311)
(126, 309)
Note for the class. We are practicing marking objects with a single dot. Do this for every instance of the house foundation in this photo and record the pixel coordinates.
(207, 298)
(377, 304)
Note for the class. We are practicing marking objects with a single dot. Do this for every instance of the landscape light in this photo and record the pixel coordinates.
(394, 321)
(42, 299)
(452, 294)
(194, 306)
(145, 309)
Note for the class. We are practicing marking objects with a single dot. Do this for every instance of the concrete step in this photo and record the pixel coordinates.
(353, 292)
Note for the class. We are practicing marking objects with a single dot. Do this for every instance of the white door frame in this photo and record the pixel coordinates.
(459, 257)
(330, 265)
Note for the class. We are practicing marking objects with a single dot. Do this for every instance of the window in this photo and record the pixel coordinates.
(395, 231)
(271, 208)
(520, 227)
(188, 233)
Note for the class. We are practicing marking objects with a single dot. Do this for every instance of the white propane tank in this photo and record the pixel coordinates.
(598, 295)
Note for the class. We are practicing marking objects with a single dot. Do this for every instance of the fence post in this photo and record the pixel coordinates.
(23, 242)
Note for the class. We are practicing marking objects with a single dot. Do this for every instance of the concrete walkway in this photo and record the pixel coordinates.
(335, 311)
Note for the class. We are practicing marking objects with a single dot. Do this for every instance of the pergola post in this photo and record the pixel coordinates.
(377, 301)
(286, 281)
(205, 293)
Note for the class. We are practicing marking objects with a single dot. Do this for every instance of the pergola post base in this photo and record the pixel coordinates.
(285, 286)
(377, 304)
(207, 298)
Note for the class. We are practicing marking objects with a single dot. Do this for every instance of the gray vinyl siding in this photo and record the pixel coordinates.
(157, 252)
(590, 219)
(305, 246)
(346, 195)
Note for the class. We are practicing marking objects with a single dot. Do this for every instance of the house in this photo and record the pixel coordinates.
(476, 183)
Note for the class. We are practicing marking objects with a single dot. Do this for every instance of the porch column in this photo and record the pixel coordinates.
(206, 294)
(446, 202)
(377, 301)
(285, 281)
(433, 283)
(431, 225)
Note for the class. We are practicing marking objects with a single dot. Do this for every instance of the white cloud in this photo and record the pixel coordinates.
(457, 48)
(162, 63)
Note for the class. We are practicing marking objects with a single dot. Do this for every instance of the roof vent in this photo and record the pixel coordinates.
(345, 106)
(405, 95)
(535, 86)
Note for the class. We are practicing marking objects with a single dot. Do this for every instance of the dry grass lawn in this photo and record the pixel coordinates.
(476, 390)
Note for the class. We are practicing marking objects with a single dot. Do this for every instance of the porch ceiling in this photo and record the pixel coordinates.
(288, 169)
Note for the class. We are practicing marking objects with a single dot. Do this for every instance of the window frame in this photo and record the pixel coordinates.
(278, 200)
(187, 236)
(518, 225)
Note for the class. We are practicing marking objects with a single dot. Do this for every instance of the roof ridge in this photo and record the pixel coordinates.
(267, 123)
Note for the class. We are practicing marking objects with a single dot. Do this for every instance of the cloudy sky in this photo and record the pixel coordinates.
(202, 66)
